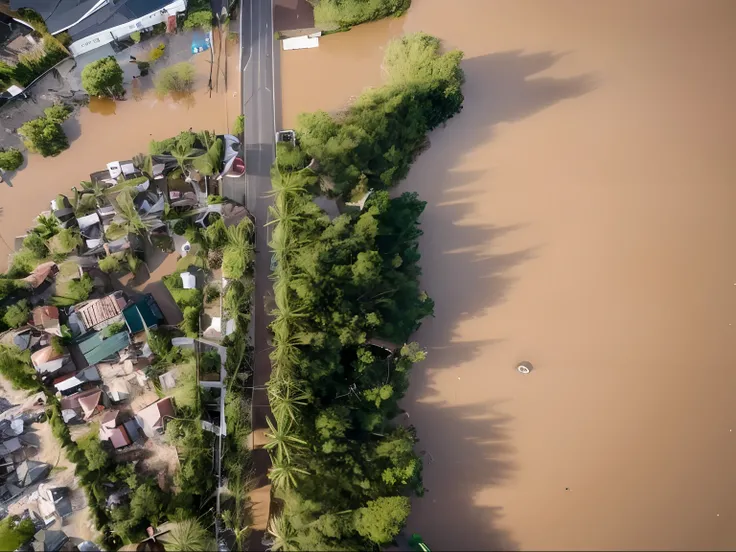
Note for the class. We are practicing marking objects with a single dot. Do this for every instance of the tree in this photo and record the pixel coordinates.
(7, 75)
(177, 79)
(147, 503)
(44, 135)
(14, 532)
(37, 245)
(47, 226)
(97, 190)
(128, 219)
(17, 314)
(15, 366)
(109, 264)
(382, 519)
(10, 159)
(188, 535)
(66, 241)
(199, 20)
(285, 397)
(331, 14)
(284, 536)
(239, 126)
(103, 77)
(283, 473)
(282, 439)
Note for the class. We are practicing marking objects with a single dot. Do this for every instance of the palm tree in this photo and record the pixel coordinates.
(285, 314)
(47, 226)
(285, 397)
(183, 154)
(284, 536)
(286, 352)
(231, 522)
(188, 535)
(129, 220)
(282, 439)
(144, 163)
(97, 190)
(285, 211)
(289, 185)
(283, 473)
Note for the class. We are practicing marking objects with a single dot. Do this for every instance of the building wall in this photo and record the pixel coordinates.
(105, 37)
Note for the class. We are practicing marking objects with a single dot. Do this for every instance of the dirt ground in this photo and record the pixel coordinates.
(77, 525)
(580, 217)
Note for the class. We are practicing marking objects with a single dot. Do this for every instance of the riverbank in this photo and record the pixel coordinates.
(580, 214)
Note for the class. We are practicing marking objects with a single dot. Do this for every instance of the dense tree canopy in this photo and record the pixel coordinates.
(373, 143)
(340, 284)
(331, 14)
(44, 135)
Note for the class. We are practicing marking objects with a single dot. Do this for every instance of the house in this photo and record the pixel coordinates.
(142, 314)
(90, 228)
(95, 314)
(46, 318)
(112, 430)
(49, 362)
(54, 501)
(41, 273)
(96, 348)
(95, 23)
(29, 472)
(50, 541)
(72, 382)
(83, 404)
(7, 448)
(152, 419)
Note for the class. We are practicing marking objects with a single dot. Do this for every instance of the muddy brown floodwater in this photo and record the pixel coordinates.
(107, 131)
(581, 215)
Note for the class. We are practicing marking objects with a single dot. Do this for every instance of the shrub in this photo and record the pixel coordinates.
(190, 324)
(179, 227)
(198, 20)
(211, 292)
(10, 159)
(290, 158)
(239, 126)
(76, 292)
(57, 344)
(157, 52)
(114, 328)
(177, 79)
(135, 36)
(143, 67)
(44, 135)
(17, 314)
(215, 200)
(37, 245)
(32, 65)
(210, 362)
(104, 77)
(65, 241)
(109, 264)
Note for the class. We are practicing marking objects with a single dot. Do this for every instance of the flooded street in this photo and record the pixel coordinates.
(580, 216)
(107, 131)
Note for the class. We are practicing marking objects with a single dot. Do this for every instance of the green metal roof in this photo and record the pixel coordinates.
(148, 309)
(96, 349)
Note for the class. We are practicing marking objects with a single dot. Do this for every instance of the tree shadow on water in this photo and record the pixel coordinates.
(468, 446)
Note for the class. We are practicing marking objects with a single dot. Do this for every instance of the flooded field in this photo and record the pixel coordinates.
(107, 131)
(581, 217)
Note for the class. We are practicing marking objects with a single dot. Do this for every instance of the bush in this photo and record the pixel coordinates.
(211, 292)
(177, 79)
(114, 328)
(135, 36)
(290, 158)
(66, 241)
(76, 292)
(44, 135)
(190, 324)
(179, 227)
(17, 315)
(239, 126)
(109, 264)
(199, 20)
(10, 159)
(104, 77)
(57, 344)
(32, 65)
(157, 52)
(143, 67)
(215, 200)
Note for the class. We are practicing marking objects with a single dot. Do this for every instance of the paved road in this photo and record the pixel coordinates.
(257, 41)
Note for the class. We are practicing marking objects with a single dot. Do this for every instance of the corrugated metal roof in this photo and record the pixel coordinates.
(148, 309)
(96, 349)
